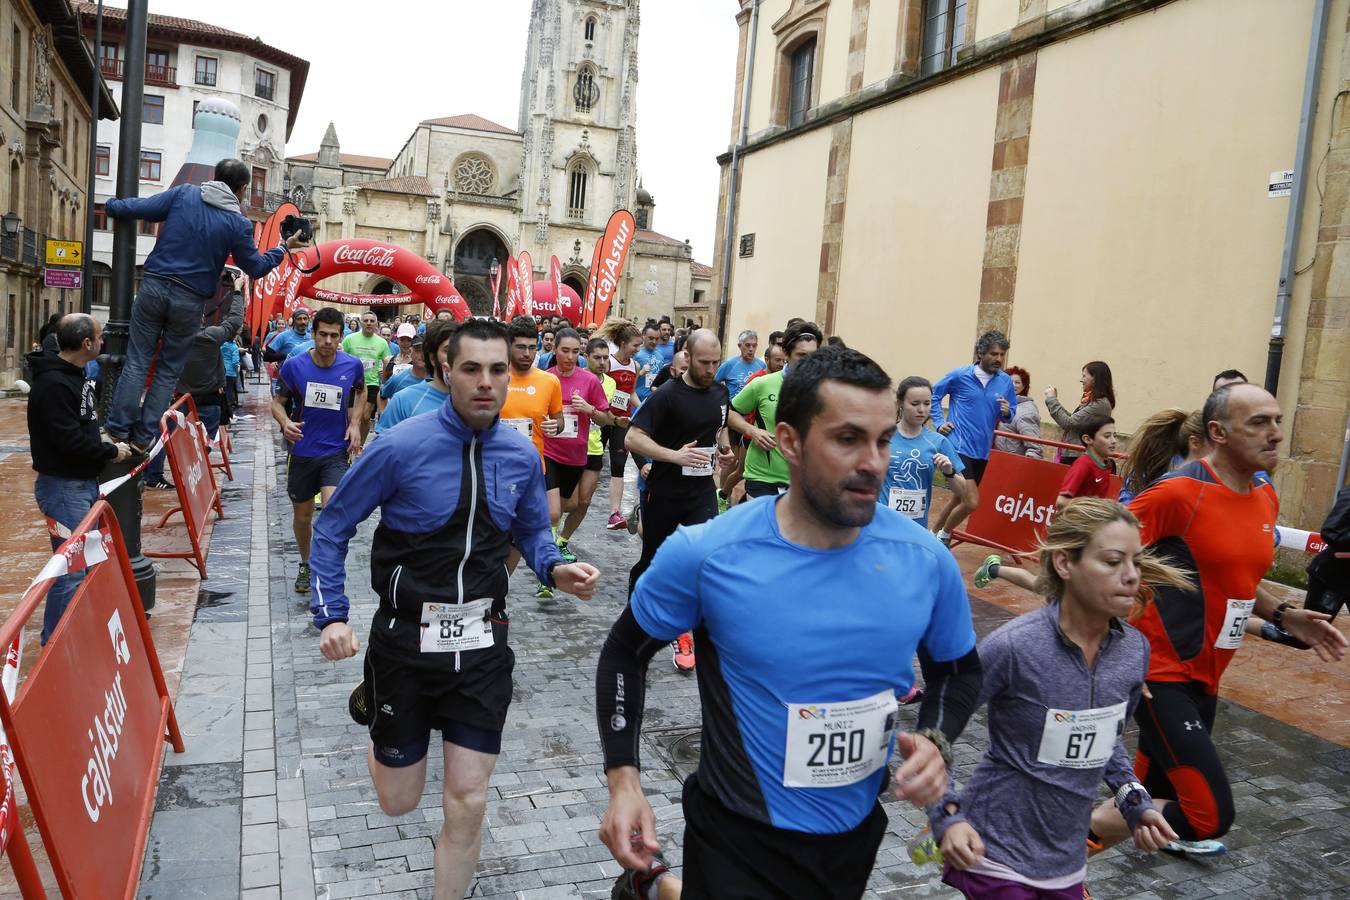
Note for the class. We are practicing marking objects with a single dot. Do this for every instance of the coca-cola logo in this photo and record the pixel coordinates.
(427, 279)
(372, 257)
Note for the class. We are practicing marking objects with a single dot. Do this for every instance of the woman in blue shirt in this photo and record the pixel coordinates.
(917, 454)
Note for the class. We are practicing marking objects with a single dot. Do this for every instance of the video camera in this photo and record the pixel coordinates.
(292, 225)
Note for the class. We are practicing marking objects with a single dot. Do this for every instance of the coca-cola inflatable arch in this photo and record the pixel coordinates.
(425, 285)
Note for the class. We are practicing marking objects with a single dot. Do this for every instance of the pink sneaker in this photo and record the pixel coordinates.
(617, 522)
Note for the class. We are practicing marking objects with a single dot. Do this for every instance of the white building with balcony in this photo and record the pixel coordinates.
(187, 62)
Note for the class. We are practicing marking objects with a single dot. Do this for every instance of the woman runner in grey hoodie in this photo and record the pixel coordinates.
(1060, 684)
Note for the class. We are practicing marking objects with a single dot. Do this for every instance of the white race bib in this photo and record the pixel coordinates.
(1082, 738)
(619, 401)
(400, 368)
(322, 396)
(569, 423)
(367, 364)
(908, 502)
(1234, 624)
(524, 426)
(700, 471)
(834, 744)
(649, 377)
(456, 627)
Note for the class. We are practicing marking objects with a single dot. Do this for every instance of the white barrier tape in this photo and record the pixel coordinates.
(9, 680)
(1297, 539)
(88, 552)
(108, 487)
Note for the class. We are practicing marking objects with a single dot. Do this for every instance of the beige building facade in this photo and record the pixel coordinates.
(1100, 179)
(46, 76)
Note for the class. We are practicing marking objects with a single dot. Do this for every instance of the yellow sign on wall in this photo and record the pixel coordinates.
(65, 253)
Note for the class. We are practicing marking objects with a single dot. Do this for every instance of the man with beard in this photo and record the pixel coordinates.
(979, 398)
(795, 744)
(682, 430)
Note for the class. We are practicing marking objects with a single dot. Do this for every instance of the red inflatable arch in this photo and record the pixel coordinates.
(544, 304)
(424, 283)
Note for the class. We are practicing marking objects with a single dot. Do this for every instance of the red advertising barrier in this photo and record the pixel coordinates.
(221, 443)
(89, 723)
(1017, 502)
(193, 478)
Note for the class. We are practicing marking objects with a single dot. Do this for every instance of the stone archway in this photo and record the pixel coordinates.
(474, 253)
(576, 281)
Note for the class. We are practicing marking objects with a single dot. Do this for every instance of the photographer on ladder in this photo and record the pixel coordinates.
(203, 225)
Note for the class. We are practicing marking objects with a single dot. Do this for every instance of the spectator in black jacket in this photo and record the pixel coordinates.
(1329, 571)
(68, 453)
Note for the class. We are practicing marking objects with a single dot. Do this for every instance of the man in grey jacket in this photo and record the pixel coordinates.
(203, 226)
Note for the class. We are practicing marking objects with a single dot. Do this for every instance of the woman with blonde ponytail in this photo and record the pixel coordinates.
(1060, 684)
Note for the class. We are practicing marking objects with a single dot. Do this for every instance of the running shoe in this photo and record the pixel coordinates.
(617, 522)
(158, 483)
(683, 647)
(633, 885)
(915, 695)
(568, 556)
(923, 850)
(545, 592)
(302, 579)
(985, 574)
(635, 520)
(1194, 849)
(358, 705)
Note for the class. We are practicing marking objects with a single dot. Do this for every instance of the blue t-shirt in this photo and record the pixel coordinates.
(911, 469)
(655, 361)
(667, 351)
(398, 382)
(854, 618)
(417, 399)
(736, 371)
(290, 343)
(321, 401)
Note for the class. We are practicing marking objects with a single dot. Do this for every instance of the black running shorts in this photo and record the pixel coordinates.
(465, 695)
(595, 463)
(563, 478)
(727, 855)
(755, 489)
(306, 475)
(974, 467)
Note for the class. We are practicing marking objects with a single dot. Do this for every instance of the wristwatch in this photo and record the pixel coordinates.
(940, 741)
(1129, 795)
(1278, 618)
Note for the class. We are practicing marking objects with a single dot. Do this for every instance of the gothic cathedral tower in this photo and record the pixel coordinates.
(578, 115)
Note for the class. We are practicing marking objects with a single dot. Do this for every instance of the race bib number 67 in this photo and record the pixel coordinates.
(834, 744)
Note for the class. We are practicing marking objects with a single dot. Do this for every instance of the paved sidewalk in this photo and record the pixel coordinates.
(273, 799)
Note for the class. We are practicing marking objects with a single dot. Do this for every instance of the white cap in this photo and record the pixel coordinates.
(406, 330)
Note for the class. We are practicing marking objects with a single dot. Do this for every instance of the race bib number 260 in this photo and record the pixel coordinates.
(834, 744)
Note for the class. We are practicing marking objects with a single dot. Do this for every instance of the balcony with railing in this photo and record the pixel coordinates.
(23, 247)
(162, 76)
(266, 201)
(576, 213)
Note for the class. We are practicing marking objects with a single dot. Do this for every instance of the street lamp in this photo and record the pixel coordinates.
(493, 268)
(12, 223)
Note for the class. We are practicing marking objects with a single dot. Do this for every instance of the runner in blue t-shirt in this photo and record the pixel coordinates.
(314, 407)
(917, 454)
(649, 362)
(736, 371)
(795, 745)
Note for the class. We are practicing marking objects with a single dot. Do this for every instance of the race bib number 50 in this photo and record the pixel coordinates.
(1234, 625)
(834, 744)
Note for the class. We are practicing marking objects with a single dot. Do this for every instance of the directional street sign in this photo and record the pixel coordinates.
(65, 253)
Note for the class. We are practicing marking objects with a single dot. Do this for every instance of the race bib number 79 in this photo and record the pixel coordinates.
(323, 396)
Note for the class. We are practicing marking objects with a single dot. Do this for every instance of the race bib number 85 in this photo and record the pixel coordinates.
(456, 627)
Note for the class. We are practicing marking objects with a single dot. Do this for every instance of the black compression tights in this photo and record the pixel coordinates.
(1177, 760)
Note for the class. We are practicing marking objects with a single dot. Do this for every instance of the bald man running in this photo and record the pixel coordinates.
(681, 428)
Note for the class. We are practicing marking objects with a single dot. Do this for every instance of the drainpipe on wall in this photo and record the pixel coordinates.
(1345, 457)
(1308, 111)
(733, 186)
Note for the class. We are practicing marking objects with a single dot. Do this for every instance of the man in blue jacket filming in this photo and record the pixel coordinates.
(203, 226)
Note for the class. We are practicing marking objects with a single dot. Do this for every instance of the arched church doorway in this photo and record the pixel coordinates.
(383, 288)
(474, 255)
(576, 282)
